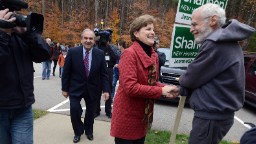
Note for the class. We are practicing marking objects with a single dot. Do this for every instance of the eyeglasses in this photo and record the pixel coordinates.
(193, 24)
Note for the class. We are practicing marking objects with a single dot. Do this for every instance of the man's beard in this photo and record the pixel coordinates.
(203, 34)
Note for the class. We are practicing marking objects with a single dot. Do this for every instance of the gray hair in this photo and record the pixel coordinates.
(48, 41)
(88, 30)
(209, 10)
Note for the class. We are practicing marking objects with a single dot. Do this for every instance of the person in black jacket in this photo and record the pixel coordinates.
(161, 55)
(111, 53)
(55, 57)
(18, 50)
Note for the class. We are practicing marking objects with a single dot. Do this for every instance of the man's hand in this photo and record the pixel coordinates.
(105, 95)
(65, 94)
(170, 91)
(5, 15)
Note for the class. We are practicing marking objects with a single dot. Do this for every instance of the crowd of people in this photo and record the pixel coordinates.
(90, 71)
(57, 56)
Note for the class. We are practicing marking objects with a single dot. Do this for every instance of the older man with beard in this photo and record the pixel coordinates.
(216, 78)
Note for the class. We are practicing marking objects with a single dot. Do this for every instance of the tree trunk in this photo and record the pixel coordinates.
(96, 13)
(62, 13)
(43, 7)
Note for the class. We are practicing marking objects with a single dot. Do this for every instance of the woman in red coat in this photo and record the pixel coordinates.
(139, 86)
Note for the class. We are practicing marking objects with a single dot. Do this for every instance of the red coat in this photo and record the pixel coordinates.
(133, 91)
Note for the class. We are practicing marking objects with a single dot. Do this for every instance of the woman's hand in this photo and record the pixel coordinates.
(170, 91)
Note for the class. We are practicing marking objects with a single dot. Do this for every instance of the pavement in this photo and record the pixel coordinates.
(57, 129)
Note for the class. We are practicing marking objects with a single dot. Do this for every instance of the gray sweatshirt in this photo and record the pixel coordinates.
(217, 76)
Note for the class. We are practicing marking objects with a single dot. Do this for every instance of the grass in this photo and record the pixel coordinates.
(38, 113)
(153, 136)
(163, 137)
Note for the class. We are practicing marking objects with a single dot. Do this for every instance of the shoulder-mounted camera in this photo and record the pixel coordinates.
(34, 22)
(105, 35)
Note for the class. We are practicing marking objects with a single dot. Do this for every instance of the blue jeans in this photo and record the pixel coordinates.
(61, 71)
(16, 126)
(115, 79)
(46, 69)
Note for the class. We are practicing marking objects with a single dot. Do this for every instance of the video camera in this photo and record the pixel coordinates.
(34, 22)
(105, 35)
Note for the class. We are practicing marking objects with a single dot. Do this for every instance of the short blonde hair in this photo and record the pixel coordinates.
(140, 22)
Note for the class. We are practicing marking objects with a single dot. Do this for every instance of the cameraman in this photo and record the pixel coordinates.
(18, 50)
(112, 54)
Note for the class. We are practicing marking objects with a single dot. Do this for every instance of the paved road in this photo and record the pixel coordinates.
(48, 97)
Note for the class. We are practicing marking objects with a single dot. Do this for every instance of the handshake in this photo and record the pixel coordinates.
(170, 91)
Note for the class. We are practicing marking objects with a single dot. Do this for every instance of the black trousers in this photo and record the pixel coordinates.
(108, 103)
(54, 66)
(75, 113)
(206, 131)
(124, 141)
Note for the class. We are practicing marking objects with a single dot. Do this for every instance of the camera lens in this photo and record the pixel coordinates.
(20, 20)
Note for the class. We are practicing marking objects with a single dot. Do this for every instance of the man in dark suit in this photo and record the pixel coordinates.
(84, 71)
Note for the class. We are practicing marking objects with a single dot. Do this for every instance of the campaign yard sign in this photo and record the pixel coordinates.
(183, 47)
(186, 7)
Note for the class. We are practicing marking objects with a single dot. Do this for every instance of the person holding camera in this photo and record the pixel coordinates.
(19, 48)
(112, 54)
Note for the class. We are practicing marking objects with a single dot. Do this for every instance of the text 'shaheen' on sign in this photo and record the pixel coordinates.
(183, 47)
(186, 7)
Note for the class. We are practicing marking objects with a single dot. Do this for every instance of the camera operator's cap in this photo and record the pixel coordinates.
(13, 5)
(96, 30)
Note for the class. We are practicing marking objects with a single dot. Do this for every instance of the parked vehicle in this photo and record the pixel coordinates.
(170, 75)
(167, 53)
(250, 73)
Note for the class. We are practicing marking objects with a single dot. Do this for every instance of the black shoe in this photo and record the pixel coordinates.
(96, 115)
(90, 137)
(76, 139)
(53, 74)
(109, 115)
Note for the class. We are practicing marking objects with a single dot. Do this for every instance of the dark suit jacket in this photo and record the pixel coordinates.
(74, 79)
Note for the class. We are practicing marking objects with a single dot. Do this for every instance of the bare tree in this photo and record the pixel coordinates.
(96, 13)
(43, 7)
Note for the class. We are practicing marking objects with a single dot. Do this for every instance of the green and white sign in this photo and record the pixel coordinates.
(183, 47)
(186, 7)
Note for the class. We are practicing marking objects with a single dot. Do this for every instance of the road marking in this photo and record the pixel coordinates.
(37, 77)
(242, 122)
(54, 108)
(63, 110)
(58, 105)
